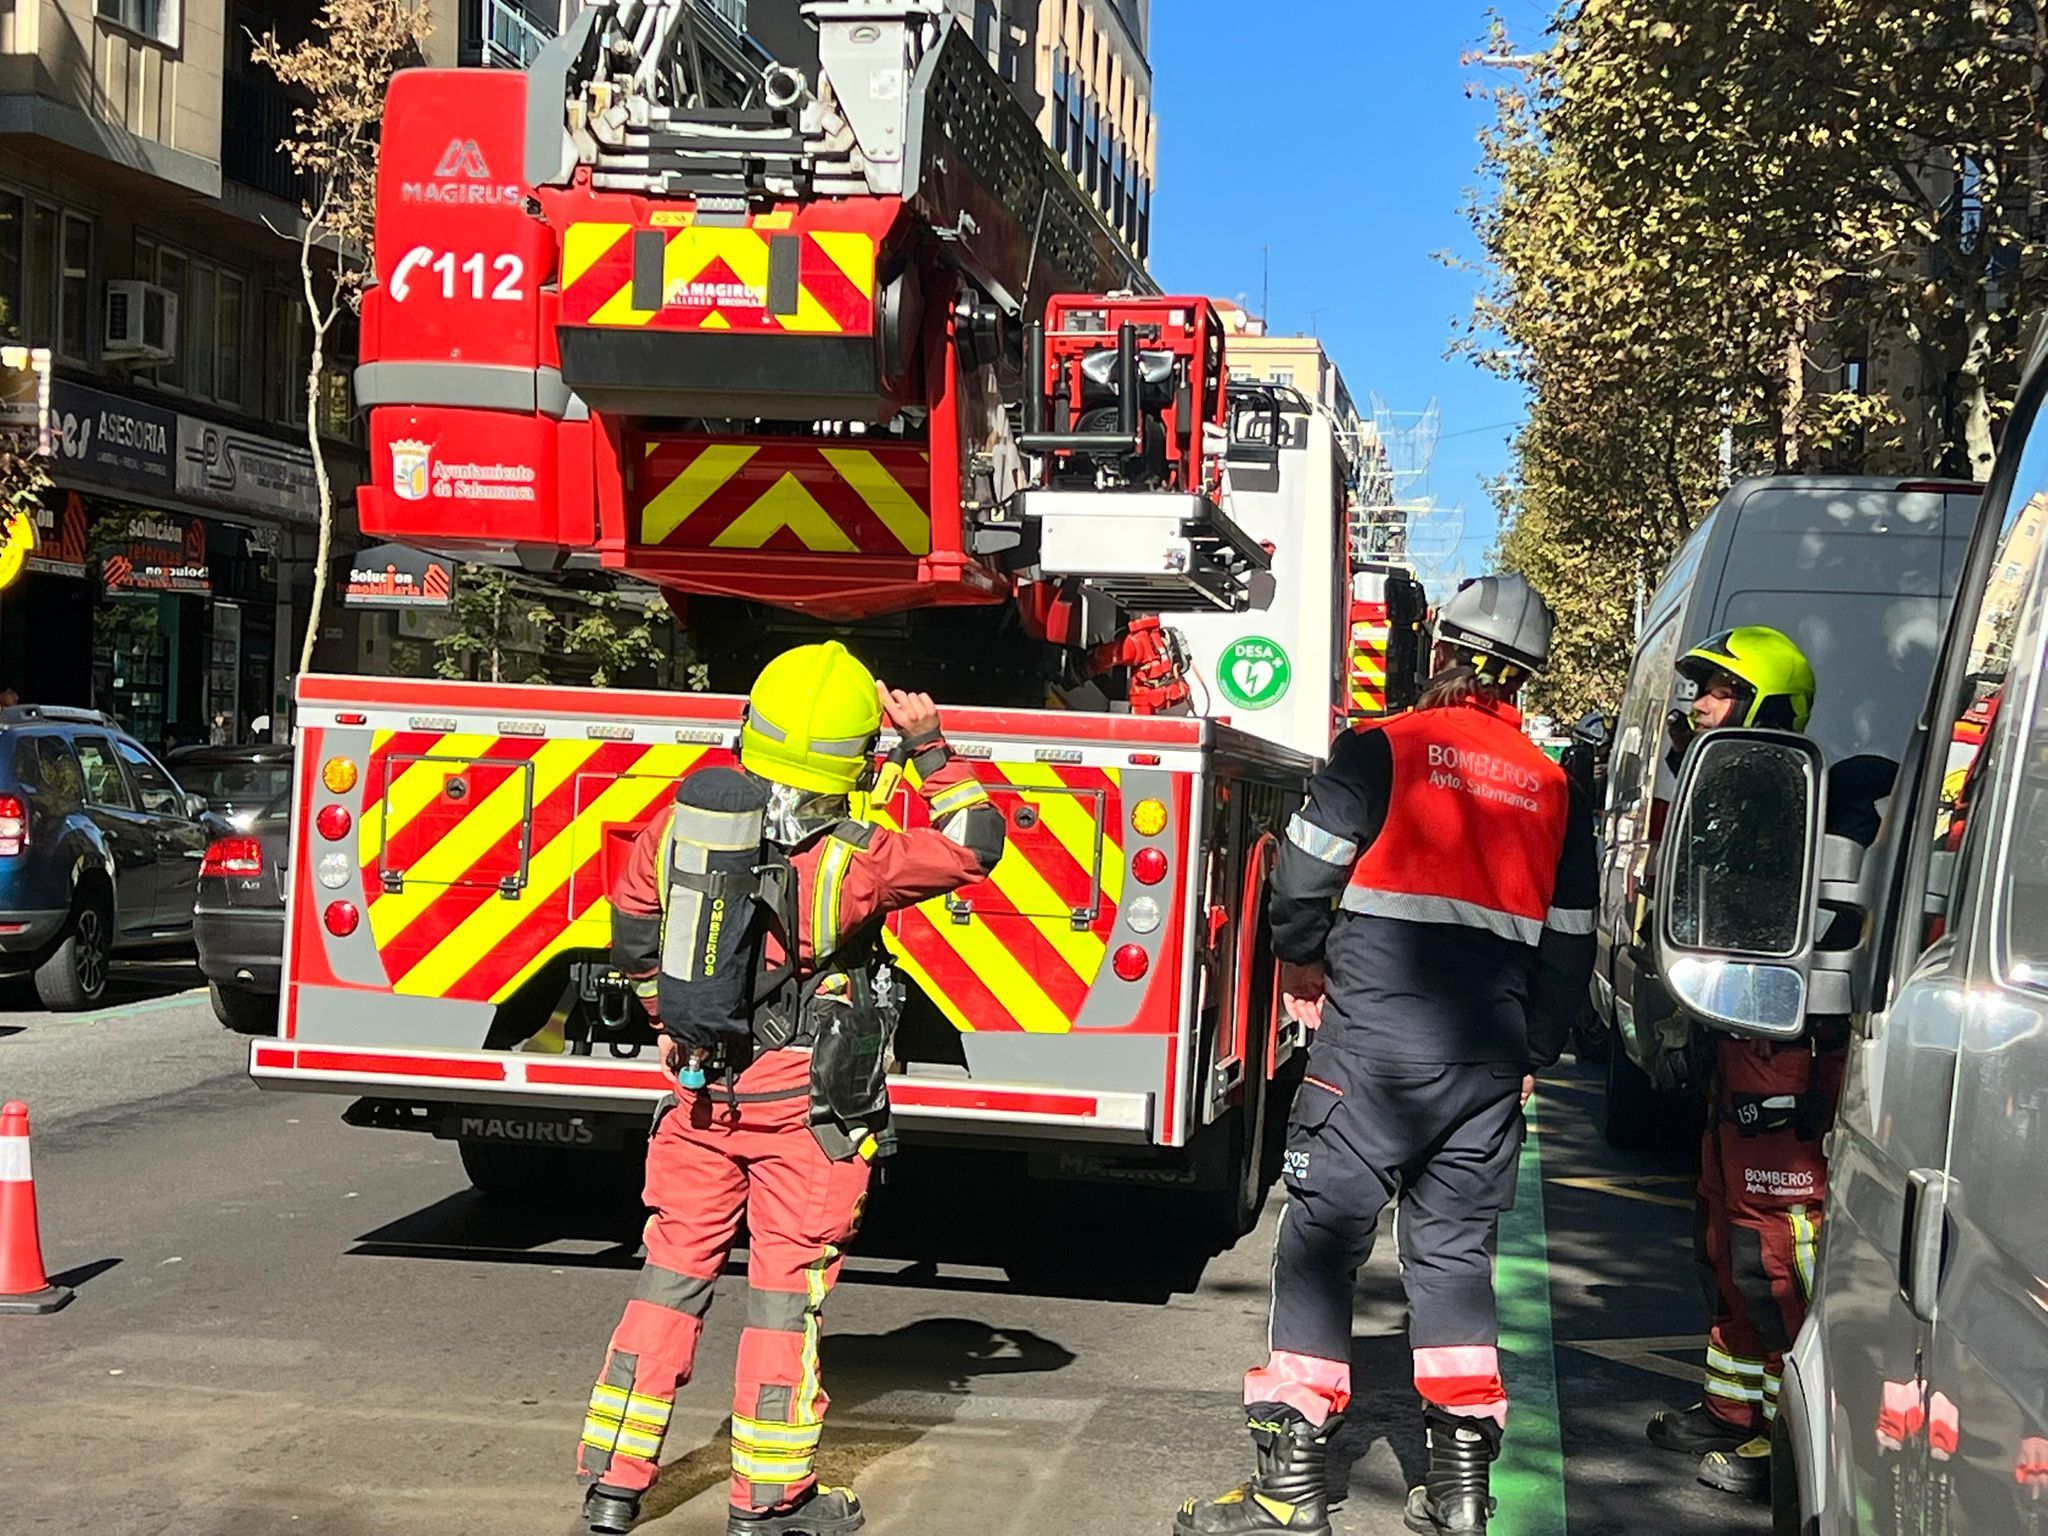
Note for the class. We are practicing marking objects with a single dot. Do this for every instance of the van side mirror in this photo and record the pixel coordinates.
(1737, 880)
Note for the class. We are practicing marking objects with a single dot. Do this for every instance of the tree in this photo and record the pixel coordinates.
(1737, 236)
(343, 71)
(490, 612)
(614, 632)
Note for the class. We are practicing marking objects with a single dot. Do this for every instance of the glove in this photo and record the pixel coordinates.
(1679, 731)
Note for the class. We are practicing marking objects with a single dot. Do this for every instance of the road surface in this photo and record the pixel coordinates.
(284, 1325)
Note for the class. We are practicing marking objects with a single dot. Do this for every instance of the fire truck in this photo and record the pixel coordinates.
(856, 357)
(1389, 651)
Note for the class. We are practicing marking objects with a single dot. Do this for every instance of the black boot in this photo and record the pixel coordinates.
(1452, 1500)
(1694, 1431)
(1287, 1494)
(821, 1512)
(610, 1511)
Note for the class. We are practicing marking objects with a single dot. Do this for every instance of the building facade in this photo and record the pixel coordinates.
(150, 304)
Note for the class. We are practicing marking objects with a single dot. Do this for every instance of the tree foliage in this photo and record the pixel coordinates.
(341, 72)
(1745, 236)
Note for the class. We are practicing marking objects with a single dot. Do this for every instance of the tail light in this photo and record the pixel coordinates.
(1149, 865)
(1131, 963)
(341, 918)
(13, 825)
(239, 857)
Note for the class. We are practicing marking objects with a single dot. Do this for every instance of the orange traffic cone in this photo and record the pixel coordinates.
(24, 1287)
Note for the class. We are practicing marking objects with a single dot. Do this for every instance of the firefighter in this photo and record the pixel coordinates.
(1763, 1180)
(786, 1125)
(1433, 903)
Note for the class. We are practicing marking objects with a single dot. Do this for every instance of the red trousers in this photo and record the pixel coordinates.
(707, 1163)
(1762, 1184)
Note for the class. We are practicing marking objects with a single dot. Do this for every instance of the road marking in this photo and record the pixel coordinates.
(123, 1010)
(1649, 1354)
(1635, 1188)
(1529, 1480)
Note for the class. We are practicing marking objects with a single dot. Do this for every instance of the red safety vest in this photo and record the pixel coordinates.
(1475, 826)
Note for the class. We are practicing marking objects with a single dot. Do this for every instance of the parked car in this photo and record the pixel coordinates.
(236, 782)
(1860, 571)
(1912, 1400)
(239, 920)
(99, 850)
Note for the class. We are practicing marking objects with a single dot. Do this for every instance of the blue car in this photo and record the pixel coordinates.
(99, 851)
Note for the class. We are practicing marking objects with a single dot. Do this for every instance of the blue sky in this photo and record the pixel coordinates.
(1353, 183)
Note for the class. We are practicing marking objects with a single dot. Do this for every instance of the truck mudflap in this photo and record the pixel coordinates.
(920, 1104)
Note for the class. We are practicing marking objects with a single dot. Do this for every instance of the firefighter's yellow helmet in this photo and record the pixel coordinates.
(1773, 679)
(812, 720)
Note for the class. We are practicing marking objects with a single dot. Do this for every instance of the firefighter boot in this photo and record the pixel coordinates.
(1744, 1470)
(820, 1512)
(1694, 1431)
(1453, 1499)
(610, 1511)
(1285, 1497)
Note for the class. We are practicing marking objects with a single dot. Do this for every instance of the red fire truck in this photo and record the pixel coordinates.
(857, 357)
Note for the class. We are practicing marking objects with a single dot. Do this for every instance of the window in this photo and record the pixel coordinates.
(196, 320)
(228, 332)
(42, 276)
(156, 20)
(105, 784)
(13, 267)
(47, 770)
(74, 290)
(1282, 376)
(2011, 573)
(173, 271)
(160, 793)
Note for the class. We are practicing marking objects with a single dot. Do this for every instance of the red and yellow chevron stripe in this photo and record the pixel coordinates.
(1369, 669)
(854, 497)
(1018, 962)
(716, 278)
(448, 815)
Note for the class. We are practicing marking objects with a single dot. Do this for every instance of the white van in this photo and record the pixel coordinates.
(1860, 571)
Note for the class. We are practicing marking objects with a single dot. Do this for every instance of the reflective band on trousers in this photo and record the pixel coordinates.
(1323, 846)
(1406, 907)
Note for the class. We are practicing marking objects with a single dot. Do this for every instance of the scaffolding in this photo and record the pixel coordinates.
(1395, 515)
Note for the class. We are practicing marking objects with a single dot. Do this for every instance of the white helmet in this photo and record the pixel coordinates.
(1501, 619)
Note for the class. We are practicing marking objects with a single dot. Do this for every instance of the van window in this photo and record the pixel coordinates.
(1639, 733)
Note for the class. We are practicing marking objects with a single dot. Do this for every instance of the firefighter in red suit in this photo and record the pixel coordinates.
(1763, 1178)
(763, 1138)
(1433, 902)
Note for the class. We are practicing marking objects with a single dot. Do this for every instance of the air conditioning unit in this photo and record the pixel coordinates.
(142, 323)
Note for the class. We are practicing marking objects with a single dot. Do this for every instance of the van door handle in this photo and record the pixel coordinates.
(1923, 1240)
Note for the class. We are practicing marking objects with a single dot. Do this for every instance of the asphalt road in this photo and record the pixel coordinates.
(286, 1325)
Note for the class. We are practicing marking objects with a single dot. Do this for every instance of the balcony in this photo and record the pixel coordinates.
(511, 37)
(256, 117)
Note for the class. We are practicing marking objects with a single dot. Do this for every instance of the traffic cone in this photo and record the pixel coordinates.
(24, 1287)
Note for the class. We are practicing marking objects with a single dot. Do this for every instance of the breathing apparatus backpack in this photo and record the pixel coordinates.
(727, 889)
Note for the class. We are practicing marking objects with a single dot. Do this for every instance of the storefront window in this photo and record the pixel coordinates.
(131, 675)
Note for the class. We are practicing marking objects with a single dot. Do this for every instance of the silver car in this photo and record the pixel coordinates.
(1915, 1399)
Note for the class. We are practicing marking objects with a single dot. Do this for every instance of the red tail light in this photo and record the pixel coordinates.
(1131, 962)
(1149, 865)
(232, 856)
(13, 826)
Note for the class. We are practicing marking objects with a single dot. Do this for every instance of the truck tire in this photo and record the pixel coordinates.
(74, 975)
(243, 1011)
(1634, 1113)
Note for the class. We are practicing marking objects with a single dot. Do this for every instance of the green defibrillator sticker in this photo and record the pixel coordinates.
(1254, 673)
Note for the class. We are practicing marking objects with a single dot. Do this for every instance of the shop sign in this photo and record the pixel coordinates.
(398, 576)
(159, 553)
(226, 467)
(111, 441)
(60, 538)
(25, 391)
